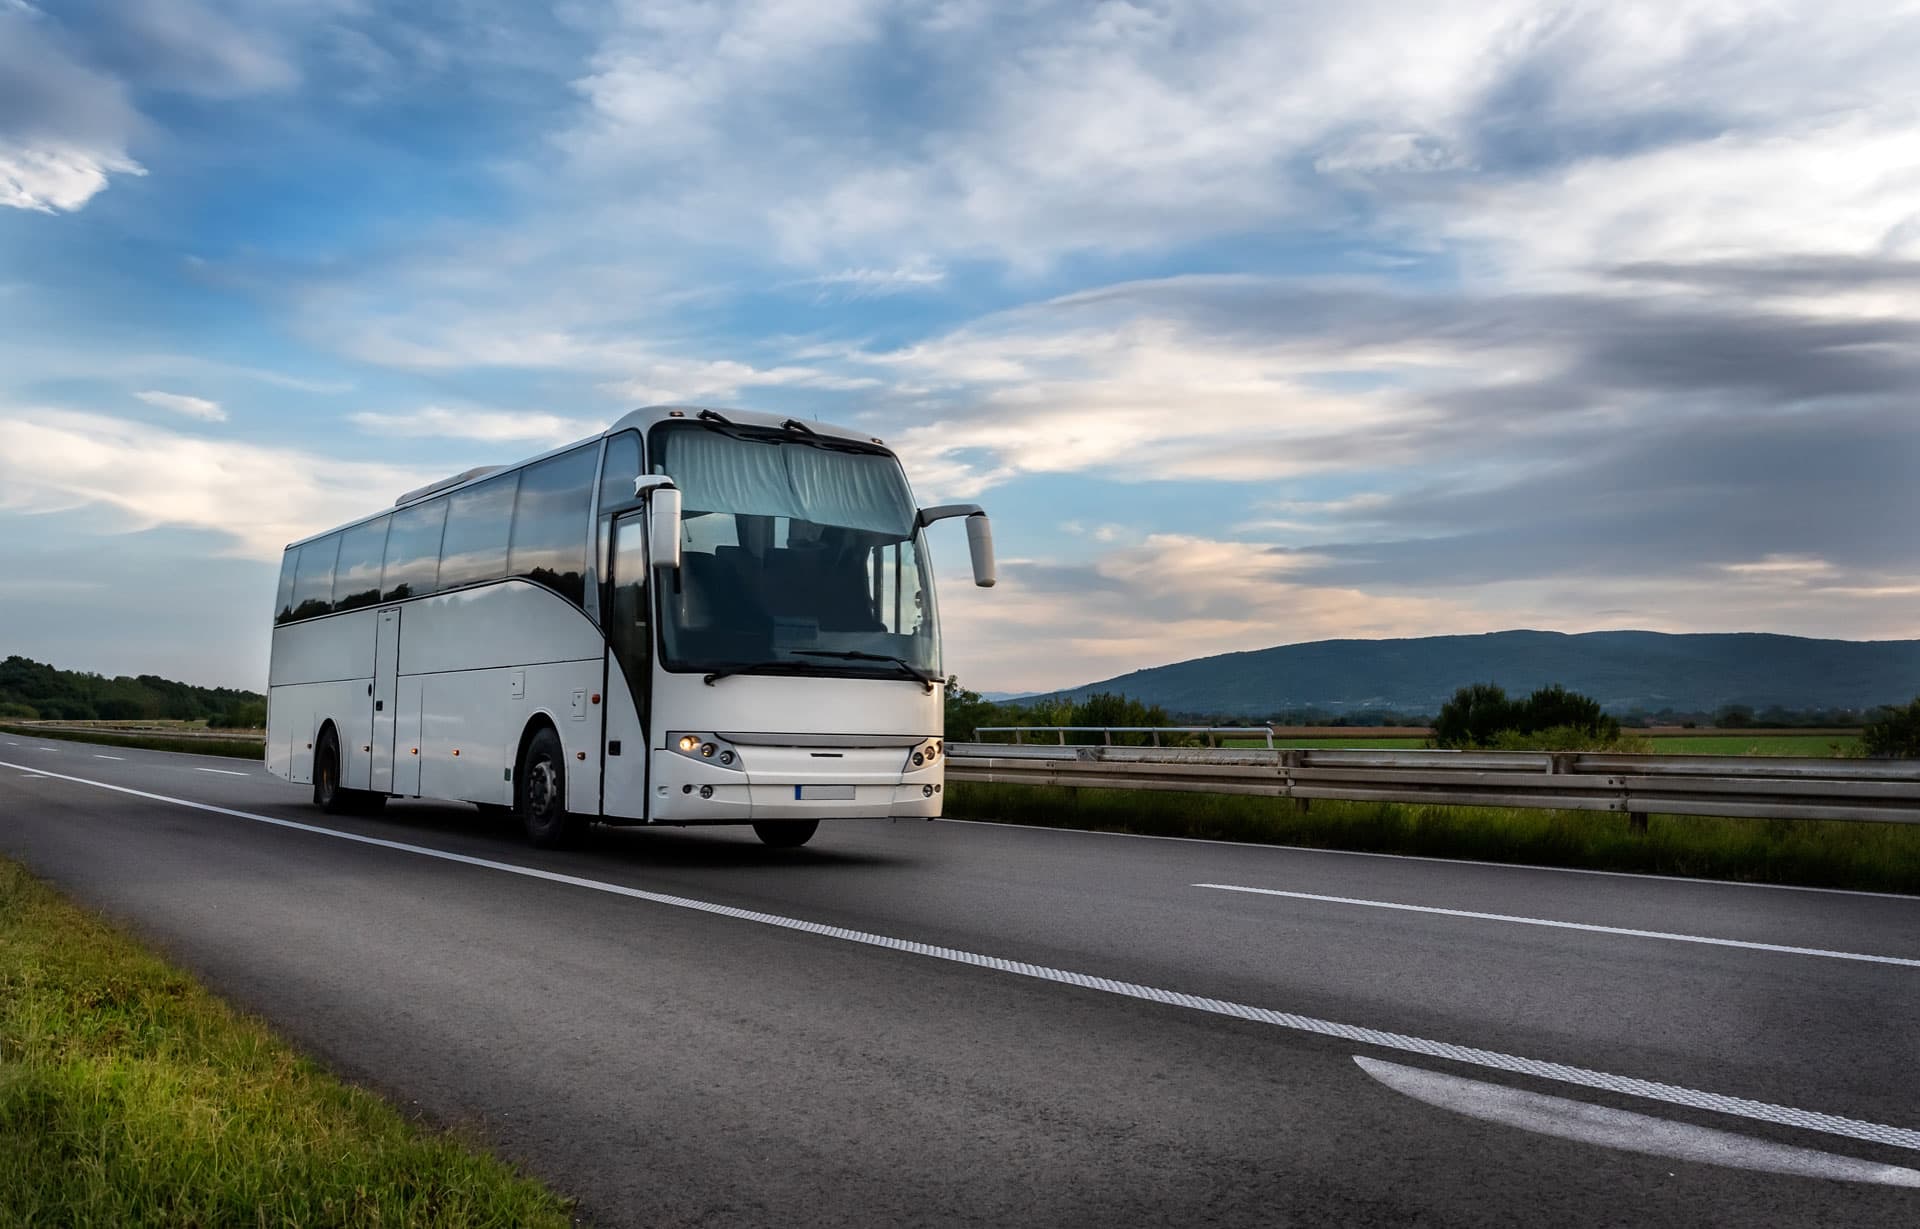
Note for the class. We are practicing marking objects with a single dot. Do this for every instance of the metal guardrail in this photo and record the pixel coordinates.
(1107, 732)
(1757, 787)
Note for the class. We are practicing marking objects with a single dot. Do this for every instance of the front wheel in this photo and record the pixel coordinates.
(543, 793)
(786, 833)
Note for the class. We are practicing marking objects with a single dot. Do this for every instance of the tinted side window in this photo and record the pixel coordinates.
(356, 578)
(413, 551)
(283, 602)
(313, 578)
(550, 523)
(622, 467)
(475, 545)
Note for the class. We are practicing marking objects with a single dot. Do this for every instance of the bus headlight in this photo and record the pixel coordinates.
(708, 747)
(927, 752)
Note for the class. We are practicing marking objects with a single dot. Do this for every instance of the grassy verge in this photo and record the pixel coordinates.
(131, 1096)
(1816, 745)
(235, 748)
(1867, 856)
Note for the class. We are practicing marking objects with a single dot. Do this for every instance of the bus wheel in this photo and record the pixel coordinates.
(786, 833)
(327, 794)
(543, 792)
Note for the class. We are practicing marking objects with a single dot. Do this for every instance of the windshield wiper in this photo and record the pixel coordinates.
(857, 655)
(750, 667)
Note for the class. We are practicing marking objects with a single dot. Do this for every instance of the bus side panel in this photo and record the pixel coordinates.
(320, 671)
(406, 737)
(491, 657)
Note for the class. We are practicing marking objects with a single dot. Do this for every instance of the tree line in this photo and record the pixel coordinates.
(31, 690)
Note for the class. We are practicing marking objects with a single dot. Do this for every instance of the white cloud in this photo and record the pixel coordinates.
(181, 403)
(259, 497)
(484, 426)
(57, 179)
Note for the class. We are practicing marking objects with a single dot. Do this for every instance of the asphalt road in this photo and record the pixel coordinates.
(963, 1023)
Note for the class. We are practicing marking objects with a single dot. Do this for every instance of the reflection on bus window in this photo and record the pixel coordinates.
(479, 519)
(313, 578)
(413, 551)
(550, 523)
(356, 577)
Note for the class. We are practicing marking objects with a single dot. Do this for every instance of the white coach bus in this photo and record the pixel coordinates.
(696, 617)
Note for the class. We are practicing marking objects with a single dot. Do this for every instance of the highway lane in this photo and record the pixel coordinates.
(672, 1065)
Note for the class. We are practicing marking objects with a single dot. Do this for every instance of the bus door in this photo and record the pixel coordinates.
(386, 677)
(629, 674)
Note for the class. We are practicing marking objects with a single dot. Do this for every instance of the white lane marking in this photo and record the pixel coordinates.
(225, 772)
(109, 757)
(1538, 921)
(1625, 1130)
(1420, 857)
(33, 776)
(1675, 1094)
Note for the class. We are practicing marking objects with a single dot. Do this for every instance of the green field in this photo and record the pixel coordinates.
(131, 1096)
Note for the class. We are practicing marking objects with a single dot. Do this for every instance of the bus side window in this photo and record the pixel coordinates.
(617, 472)
(413, 551)
(313, 578)
(478, 522)
(626, 619)
(283, 604)
(550, 524)
(356, 578)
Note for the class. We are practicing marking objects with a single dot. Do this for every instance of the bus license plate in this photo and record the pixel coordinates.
(823, 793)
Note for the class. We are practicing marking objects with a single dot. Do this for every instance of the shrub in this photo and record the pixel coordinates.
(1570, 738)
(18, 712)
(1482, 715)
(1894, 733)
(1474, 716)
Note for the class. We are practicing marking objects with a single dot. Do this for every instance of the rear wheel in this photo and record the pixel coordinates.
(327, 794)
(786, 833)
(543, 792)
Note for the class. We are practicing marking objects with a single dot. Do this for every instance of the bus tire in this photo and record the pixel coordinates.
(327, 792)
(786, 833)
(542, 792)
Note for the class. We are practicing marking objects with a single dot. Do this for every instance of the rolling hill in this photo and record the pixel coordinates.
(1624, 670)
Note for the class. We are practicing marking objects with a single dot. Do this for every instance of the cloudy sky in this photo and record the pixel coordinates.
(1251, 322)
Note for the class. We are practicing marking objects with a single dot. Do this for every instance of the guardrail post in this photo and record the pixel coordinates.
(1156, 738)
(1106, 735)
(1063, 736)
(1637, 821)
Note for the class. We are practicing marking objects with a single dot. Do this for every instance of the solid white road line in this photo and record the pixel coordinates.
(1537, 921)
(1625, 1130)
(1417, 857)
(1673, 1094)
(225, 772)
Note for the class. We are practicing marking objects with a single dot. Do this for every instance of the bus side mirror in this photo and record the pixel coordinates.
(980, 545)
(979, 536)
(663, 519)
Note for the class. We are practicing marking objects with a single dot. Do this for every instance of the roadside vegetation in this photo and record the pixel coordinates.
(1894, 733)
(240, 748)
(1865, 856)
(131, 1096)
(31, 690)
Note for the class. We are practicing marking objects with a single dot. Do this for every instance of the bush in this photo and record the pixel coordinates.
(239, 717)
(1894, 733)
(1570, 738)
(1482, 715)
(1474, 716)
(18, 712)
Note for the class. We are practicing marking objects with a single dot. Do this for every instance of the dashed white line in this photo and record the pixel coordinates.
(1588, 926)
(1672, 1094)
(109, 757)
(225, 772)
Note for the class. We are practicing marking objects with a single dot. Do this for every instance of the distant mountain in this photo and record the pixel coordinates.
(1623, 670)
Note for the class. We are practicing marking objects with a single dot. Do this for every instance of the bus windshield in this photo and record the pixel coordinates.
(800, 555)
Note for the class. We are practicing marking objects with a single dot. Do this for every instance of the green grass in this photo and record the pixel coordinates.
(131, 1096)
(1868, 856)
(233, 748)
